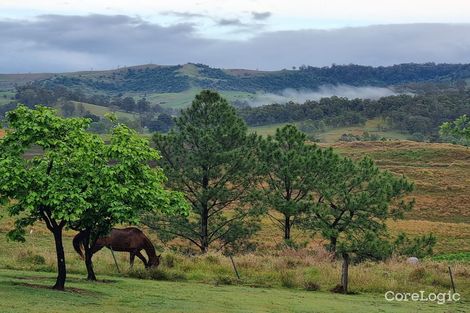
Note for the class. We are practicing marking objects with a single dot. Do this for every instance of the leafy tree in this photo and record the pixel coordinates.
(120, 186)
(163, 123)
(51, 186)
(143, 105)
(210, 157)
(287, 164)
(128, 104)
(460, 128)
(353, 202)
(76, 181)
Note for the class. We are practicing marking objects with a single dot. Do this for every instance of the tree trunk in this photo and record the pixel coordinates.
(345, 273)
(332, 245)
(287, 227)
(61, 269)
(204, 231)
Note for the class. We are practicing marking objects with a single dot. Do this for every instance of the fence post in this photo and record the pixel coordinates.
(452, 279)
(234, 267)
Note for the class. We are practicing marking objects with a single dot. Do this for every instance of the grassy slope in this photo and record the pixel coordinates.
(371, 126)
(333, 135)
(5, 96)
(184, 99)
(130, 295)
(441, 173)
(101, 111)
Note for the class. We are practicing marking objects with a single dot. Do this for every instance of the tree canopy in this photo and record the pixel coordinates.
(353, 201)
(211, 158)
(288, 162)
(459, 129)
(52, 169)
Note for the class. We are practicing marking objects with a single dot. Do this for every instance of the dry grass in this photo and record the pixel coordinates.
(441, 173)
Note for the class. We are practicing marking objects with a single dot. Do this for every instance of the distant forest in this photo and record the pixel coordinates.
(164, 79)
(418, 115)
(439, 94)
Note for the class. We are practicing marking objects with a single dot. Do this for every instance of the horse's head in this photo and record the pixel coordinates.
(154, 261)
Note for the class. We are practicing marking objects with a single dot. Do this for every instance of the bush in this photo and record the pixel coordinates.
(288, 279)
(168, 260)
(212, 259)
(418, 274)
(310, 285)
(29, 257)
(225, 280)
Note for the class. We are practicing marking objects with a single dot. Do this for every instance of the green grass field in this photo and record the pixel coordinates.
(23, 291)
(266, 130)
(101, 111)
(183, 99)
(332, 135)
(5, 96)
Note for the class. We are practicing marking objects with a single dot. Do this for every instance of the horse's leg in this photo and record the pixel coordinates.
(140, 256)
(132, 259)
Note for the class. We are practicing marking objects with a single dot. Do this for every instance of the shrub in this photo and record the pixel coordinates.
(140, 274)
(310, 285)
(29, 257)
(418, 274)
(212, 259)
(225, 280)
(288, 279)
(168, 260)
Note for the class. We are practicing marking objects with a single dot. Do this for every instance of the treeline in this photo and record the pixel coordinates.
(70, 101)
(308, 77)
(149, 79)
(420, 115)
(162, 79)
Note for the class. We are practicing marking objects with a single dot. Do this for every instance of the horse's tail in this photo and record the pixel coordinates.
(78, 242)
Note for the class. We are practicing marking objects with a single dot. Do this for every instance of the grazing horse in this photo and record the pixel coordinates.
(129, 239)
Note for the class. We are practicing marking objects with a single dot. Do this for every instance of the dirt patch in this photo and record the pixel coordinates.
(67, 289)
(100, 281)
(28, 277)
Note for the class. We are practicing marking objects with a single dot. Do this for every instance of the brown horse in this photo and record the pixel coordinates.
(129, 239)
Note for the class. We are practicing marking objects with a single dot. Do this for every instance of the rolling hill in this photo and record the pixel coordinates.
(152, 78)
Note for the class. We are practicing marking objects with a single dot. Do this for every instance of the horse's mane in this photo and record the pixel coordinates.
(149, 248)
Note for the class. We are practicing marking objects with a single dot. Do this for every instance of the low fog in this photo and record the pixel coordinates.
(326, 91)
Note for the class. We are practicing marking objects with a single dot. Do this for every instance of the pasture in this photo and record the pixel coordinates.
(274, 278)
(24, 291)
(179, 100)
(332, 135)
(5, 96)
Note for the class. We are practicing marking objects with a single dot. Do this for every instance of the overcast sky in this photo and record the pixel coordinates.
(52, 35)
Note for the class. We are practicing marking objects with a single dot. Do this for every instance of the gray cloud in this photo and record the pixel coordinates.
(231, 22)
(65, 43)
(184, 14)
(261, 15)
